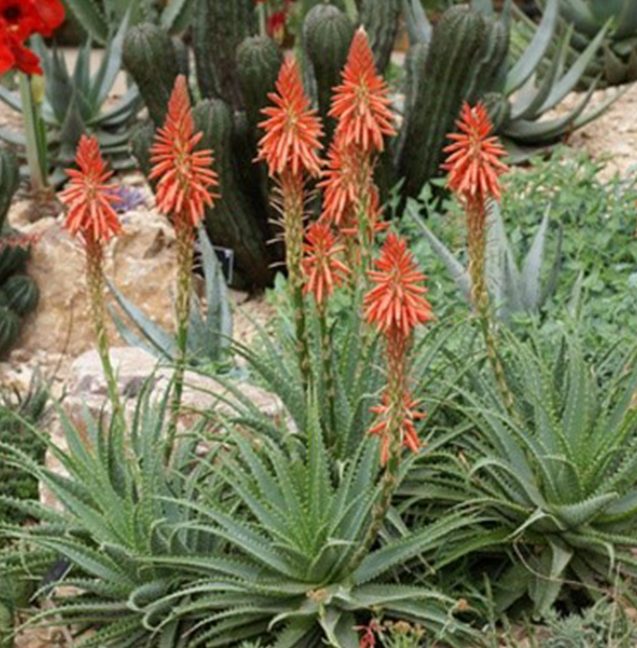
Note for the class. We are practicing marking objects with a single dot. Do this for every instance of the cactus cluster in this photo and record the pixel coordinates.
(465, 57)
(235, 71)
(18, 293)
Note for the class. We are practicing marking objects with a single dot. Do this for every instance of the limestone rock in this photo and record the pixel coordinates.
(140, 263)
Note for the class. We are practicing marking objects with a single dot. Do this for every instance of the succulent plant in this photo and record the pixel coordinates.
(101, 18)
(616, 62)
(519, 92)
(18, 293)
(515, 288)
(75, 102)
(228, 117)
(150, 57)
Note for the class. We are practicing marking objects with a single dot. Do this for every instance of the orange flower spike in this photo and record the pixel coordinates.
(361, 103)
(292, 128)
(89, 196)
(409, 416)
(396, 302)
(186, 181)
(474, 163)
(340, 183)
(322, 269)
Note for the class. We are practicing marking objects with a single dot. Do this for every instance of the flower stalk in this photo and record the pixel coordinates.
(90, 199)
(34, 131)
(290, 148)
(323, 270)
(96, 284)
(185, 187)
(395, 305)
(474, 165)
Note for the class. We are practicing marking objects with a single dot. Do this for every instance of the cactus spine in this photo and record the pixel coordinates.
(150, 57)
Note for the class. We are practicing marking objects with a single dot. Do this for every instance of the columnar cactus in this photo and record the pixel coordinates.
(150, 57)
(465, 51)
(219, 26)
(328, 33)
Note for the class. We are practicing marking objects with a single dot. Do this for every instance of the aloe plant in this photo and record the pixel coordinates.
(114, 515)
(303, 522)
(99, 18)
(209, 335)
(557, 479)
(616, 62)
(515, 289)
(75, 102)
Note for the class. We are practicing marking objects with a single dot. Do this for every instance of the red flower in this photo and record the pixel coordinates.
(361, 103)
(22, 18)
(185, 177)
(15, 56)
(19, 19)
(408, 415)
(368, 639)
(292, 130)
(89, 197)
(276, 25)
(396, 303)
(321, 266)
(51, 14)
(474, 158)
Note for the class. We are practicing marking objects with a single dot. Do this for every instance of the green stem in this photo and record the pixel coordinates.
(293, 193)
(480, 297)
(328, 373)
(396, 348)
(95, 279)
(36, 154)
(184, 272)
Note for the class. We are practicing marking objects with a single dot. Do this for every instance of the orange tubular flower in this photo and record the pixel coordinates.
(408, 416)
(321, 266)
(186, 181)
(396, 305)
(89, 197)
(292, 130)
(361, 103)
(90, 200)
(396, 302)
(474, 163)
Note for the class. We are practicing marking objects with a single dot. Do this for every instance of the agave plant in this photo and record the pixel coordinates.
(617, 62)
(557, 478)
(76, 102)
(209, 336)
(100, 17)
(515, 289)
